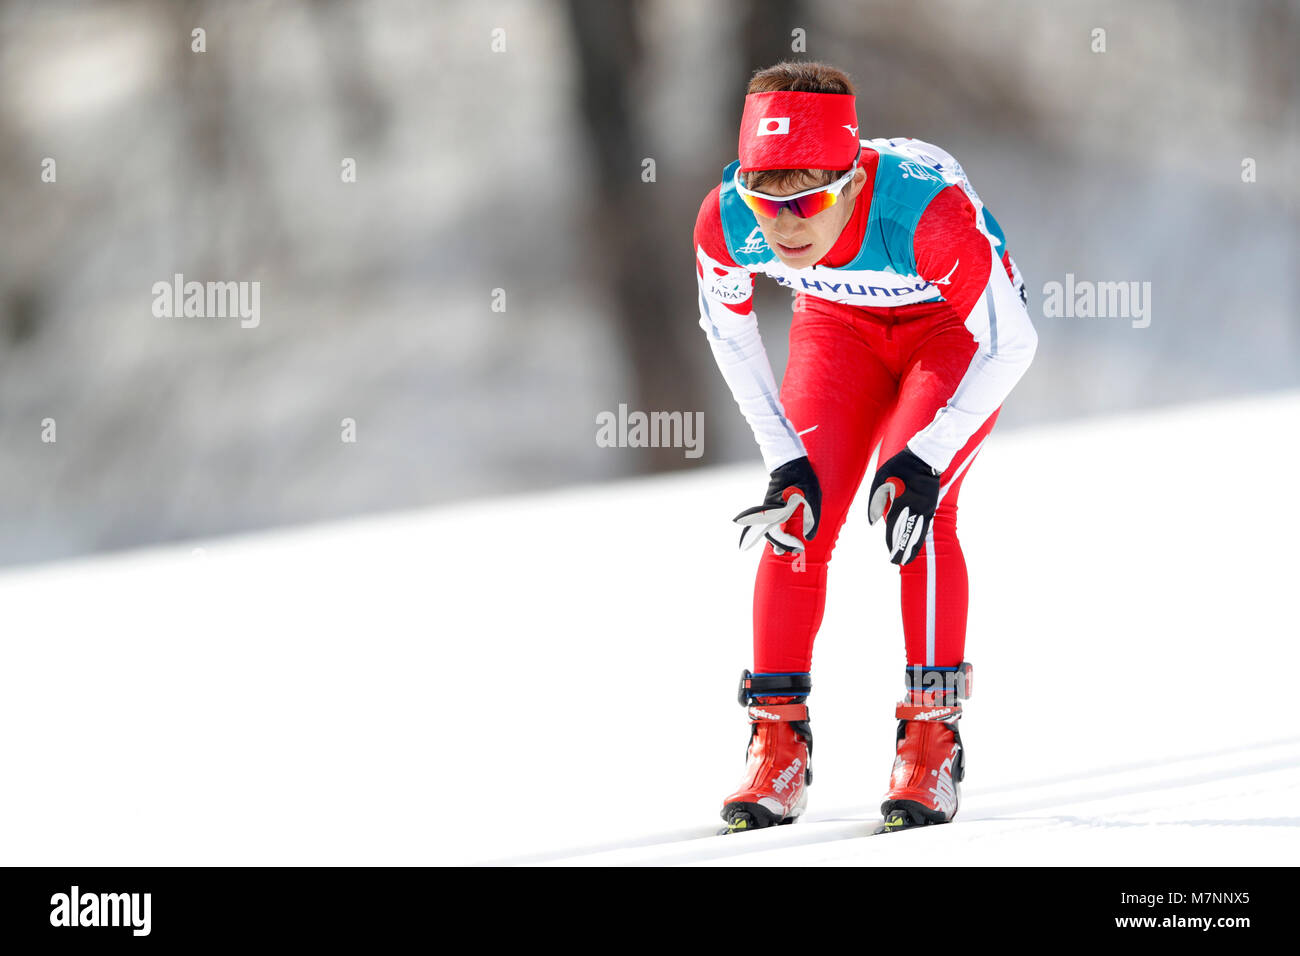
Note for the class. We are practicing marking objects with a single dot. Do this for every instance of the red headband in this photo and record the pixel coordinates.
(784, 130)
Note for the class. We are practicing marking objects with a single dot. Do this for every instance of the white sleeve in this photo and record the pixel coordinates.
(1007, 342)
(738, 350)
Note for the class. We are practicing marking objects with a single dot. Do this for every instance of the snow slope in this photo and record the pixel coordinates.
(551, 679)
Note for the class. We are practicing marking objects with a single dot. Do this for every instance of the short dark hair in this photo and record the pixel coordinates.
(797, 77)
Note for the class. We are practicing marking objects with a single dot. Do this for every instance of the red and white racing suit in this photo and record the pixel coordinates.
(931, 376)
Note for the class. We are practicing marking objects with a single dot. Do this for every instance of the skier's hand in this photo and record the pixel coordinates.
(778, 519)
(907, 490)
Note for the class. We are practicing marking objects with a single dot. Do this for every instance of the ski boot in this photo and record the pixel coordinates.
(777, 771)
(929, 761)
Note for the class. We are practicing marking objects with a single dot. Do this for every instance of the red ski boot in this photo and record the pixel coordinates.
(777, 772)
(930, 761)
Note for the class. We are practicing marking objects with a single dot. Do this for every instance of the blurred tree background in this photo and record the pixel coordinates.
(502, 270)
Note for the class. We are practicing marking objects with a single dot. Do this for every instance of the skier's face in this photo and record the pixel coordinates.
(800, 243)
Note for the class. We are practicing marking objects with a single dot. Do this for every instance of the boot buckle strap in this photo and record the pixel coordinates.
(780, 712)
(906, 710)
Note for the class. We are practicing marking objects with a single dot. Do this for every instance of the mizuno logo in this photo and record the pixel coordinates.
(851, 129)
(944, 280)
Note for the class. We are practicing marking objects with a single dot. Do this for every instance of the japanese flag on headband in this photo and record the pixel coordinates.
(784, 130)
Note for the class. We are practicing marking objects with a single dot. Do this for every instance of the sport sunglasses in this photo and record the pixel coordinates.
(805, 205)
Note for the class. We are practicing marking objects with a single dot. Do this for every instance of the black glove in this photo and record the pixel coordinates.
(907, 490)
(793, 485)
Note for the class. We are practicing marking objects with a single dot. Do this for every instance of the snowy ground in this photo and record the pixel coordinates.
(551, 679)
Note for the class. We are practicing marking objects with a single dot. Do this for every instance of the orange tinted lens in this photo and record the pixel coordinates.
(812, 205)
(803, 207)
(767, 208)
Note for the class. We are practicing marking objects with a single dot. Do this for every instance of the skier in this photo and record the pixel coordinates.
(909, 330)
